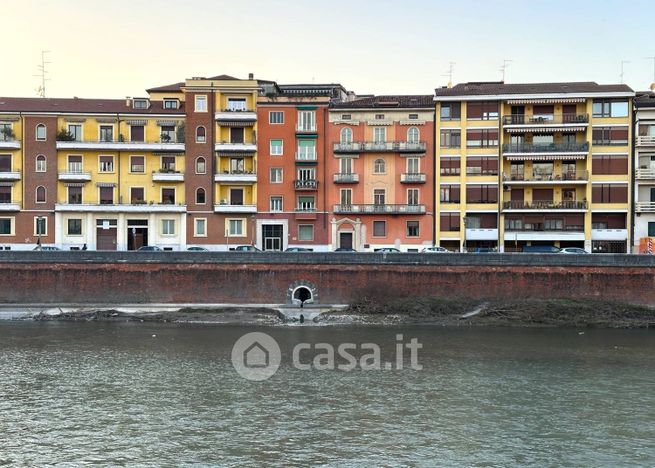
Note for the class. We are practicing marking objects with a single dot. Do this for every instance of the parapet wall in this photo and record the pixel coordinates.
(231, 277)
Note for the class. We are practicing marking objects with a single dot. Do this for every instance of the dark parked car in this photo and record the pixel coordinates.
(149, 248)
(299, 249)
(246, 248)
(345, 249)
(197, 249)
(484, 250)
(387, 250)
(541, 249)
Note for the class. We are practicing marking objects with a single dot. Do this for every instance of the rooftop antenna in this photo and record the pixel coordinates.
(623, 62)
(40, 91)
(451, 68)
(503, 69)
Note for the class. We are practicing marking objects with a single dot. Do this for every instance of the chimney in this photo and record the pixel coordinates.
(128, 101)
(251, 76)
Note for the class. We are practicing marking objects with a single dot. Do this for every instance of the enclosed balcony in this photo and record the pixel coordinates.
(345, 178)
(645, 206)
(167, 176)
(236, 177)
(9, 175)
(546, 205)
(570, 227)
(305, 184)
(554, 148)
(412, 178)
(381, 147)
(73, 175)
(645, 174)
(646, 140)
(379, 209)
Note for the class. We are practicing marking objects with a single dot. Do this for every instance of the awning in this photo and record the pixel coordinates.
(106, 120)
(546, 101)
(6, 184)
(228, 154)
(137, 122)
(167, 154)
(167, 123)
(105, 184)
(544, 157)
(74, 119)
(74, 184)
(237, 123)
(546, 128)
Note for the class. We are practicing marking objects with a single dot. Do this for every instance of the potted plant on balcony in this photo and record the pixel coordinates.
(165, 138)
(7, 133)
(65, 135)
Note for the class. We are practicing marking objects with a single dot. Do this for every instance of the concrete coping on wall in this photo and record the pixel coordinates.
(328, 258)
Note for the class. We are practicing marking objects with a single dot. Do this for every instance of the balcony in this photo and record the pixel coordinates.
(7, 143)
(554, 122)
(309, 158)
(165, 175)
(609, 234)
(306, 130)
(236, 177)
(540, 231)
(120, 207)
(379, 209)
(381, 147)
(74, 176)
(574, 177)
(346, 178)
(109, 145)
(645, 174)
(547, 148)
(412, 178)
(10, 175)
(642, 140)
(239, 117)
(645, 207)
(309, 184)
(225, 207)
(235, 147)
(6, 206)
(547, 205)
(481, 234)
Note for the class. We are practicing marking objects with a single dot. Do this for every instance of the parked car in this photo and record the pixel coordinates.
(246, 248)
(149, 248)
(197, 249)
(47, 248)
(299, 249)
(387, 250)
(540, 249)
(344, 249)
(435, 249)
(484, 250)
(573, 250)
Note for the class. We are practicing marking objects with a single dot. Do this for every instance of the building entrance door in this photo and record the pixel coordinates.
(346, 240)
(272, 235)
(137, 233)
(106, 234)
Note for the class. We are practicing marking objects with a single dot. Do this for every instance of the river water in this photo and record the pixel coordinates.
(167, 395)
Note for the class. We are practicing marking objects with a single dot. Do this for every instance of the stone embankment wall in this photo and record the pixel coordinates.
(337, 278)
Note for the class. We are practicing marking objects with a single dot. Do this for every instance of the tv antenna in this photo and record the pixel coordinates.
(503, 69)
(451, 68)
(43, 72)
(623, 62)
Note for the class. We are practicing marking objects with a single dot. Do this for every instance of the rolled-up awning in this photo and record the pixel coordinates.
(543, 157)
(74, 184)
(105, 184)
(137, 122)
(546, 101)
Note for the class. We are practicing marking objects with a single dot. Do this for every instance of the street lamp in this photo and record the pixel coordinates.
(39, 219)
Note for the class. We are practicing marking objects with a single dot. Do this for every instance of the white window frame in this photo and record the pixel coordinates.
(201, 140)
(205, 163)
(175, 103)
(346, 193)
(166, 224)
(276, 170)
(273, 200)
(12, 226)
(137, 187)
(270, 117)
(346, 135)
(410, 138)
(306, 120)
(343, 162)
(200, 98)
(68, 233)
(271, 146)
(228, 227)
(311, 226)
(161, 194)
(375, 166)
(45, 132)
(71, 125)
(418, 196)
(196, 233)
(36, 194)
(113, 165)
(144, 163)
(45, 163)
(45, 219)
(376, 136)
(413, 161)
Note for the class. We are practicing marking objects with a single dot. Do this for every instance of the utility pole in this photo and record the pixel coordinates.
(40, 91)
(623, 62)
(503, 69)
(451, 68)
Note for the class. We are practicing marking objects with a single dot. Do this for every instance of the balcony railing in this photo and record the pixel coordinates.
(544, 205)
(645, 174)
(346, 178)
(381, 146)
(552, 119)
(541, 227)
(76, 175)
(645, 206)
(123, 145)
(306, 129)
(380, 209)
(546, 147)
(646, 140)
(307, 156)
(7, 142)
(412, 178)
(309, 184)
(565, 176)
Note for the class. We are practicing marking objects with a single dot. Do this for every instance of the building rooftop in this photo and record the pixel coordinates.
(388, 102)
(489, 88)
(76, 105)
(645, 99)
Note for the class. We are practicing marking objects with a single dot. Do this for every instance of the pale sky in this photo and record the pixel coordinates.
(119, 48)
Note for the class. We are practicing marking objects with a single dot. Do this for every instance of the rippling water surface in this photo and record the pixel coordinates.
(114, 394)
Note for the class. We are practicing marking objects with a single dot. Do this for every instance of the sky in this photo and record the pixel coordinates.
(118, 48)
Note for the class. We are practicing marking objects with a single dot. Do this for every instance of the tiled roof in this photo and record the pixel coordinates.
(167, 88)
(75, 105)
(223, 77)
(387, 102)
(499, 87)
(645, 99)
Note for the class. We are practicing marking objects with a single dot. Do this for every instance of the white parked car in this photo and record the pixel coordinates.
(435, 249)
(573, 250)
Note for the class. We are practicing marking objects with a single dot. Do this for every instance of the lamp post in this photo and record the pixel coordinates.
(465, 222)
(39, 219)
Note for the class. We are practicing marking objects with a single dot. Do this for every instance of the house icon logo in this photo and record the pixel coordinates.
(256, 356)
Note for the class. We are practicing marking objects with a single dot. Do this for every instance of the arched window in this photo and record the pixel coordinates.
(346, 135)
(40, 163)
(200, 196)
(379, 166)
(40, 194)
(201, 167)
(40, 132)
(413, 135)
(201, 135)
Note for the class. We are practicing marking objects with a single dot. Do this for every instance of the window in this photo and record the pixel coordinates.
(412, 196)
(481, 138)
(168, 196)
(379, 197)
(137, 196)
(379, 134)
(75, 195)
(276, 203)
(167, 134)
(276, 147)
(379, 116)
(306, 174)
(449, 222)
(200, 227)
(6, 132)
(610, 136)
(346, 135)
(236, 196)
(412, 229)
(451, 111)
(482, 111)
(40, 194)
(201, 167)
(413, 116)
(482, 194)
(449, 194)
(379, 166)
(346, 116)
(168, 163)
(75, 164)
(41, 132)
(413, 166)
(5, 162)
(379, 228)
(451, 138)
(276, 175)
(201, 135)
(74, 227)
(236, 104)
(106, 133)
(5, 194)
(76, 131)
(276, 117)
(137, 164)
(413, 135)
(235, 227)
(609, 164)
(449, 166)
(137, 133)
(307, 121)
(168, 227)
(201, 103)
(200, 196)
(346, 196)
(346, 165)
(609, 193)
(6, 226)
(306, 203)
(483, 166)
(106, 164)
(651, 229)
(170, 104)
(140, 104)
(305, 232)
(306, 150)
(513, 224)
(106, 195)
(607, 108)
(40, 226)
